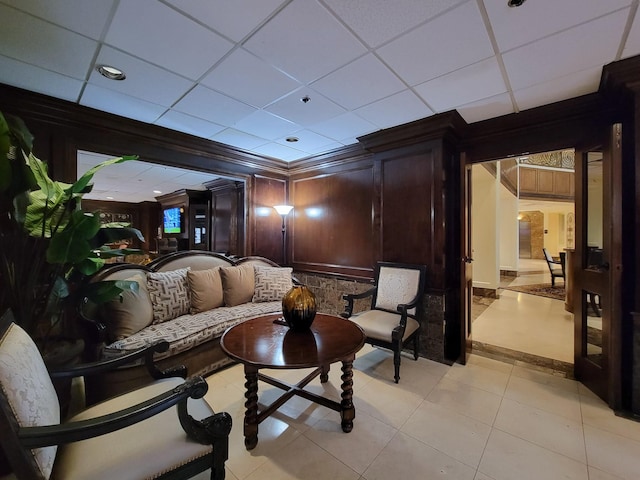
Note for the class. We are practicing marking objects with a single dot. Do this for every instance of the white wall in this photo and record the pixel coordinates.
(485, 242)
(508, 228)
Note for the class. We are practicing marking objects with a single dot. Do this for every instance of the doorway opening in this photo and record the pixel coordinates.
(520, 206)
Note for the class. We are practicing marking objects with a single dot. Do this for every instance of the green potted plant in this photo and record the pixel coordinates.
(48, 244)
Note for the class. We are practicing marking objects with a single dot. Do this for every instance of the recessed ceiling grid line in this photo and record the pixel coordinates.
(498, 55)
(627, 28)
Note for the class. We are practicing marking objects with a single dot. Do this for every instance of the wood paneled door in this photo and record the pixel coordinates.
(597, 267)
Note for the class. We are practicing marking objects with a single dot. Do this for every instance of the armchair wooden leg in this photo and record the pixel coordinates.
(396, 362)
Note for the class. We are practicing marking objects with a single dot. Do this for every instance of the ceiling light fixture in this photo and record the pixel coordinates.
(292, 139)
(157, 191)
(112, 73)
(515, 3)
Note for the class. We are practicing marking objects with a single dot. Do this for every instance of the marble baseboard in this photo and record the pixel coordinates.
(514, 357)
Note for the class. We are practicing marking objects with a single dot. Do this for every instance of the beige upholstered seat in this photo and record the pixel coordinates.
(392, 321)
(143, 436)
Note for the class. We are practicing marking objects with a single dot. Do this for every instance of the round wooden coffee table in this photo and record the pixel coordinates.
(266, 342)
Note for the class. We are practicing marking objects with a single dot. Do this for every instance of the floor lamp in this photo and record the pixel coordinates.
(283, 211)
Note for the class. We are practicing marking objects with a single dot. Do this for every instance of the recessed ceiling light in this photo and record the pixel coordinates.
(292, 139)
(515, 3)
(109, 198)
(112, 73)
(157, 191)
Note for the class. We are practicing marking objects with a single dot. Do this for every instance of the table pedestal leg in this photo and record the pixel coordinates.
(324, 373)
(347, 410)
(251, 405)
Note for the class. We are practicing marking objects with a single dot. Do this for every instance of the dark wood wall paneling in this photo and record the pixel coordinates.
(334, 230)
(227, 219)
(62, 128)
(267, 224)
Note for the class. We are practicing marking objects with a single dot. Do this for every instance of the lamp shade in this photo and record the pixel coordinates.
(283, 209)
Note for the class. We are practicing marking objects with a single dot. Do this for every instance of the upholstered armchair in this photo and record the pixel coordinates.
(391, 321)
(163, 430)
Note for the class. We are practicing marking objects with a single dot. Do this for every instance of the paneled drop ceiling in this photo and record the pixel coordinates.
(236, 71)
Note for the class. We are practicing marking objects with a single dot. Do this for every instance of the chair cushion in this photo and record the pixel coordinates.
(271, 283)
(205, 289)
(379, 324)
(169, 292)
(237, 284)
(130, 312)
(153, 446)
(27, 387)
(396, 286)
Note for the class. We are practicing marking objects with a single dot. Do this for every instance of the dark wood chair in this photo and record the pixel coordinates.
(146, 433)
(391, 321)
(556, 267)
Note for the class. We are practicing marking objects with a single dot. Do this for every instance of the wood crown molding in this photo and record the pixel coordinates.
(71, 116)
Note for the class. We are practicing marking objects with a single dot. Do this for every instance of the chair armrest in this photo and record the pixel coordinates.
(101, 366)
(350, 297)
(36, 437)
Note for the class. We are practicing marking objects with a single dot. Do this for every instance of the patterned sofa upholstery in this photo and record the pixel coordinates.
(194, 334)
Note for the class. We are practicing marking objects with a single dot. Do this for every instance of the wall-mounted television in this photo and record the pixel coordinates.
(172, 220)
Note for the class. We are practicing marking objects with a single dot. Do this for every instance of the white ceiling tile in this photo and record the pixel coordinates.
(632, 46)
(514, 27)
(316, 110)
(249, 79)
(144, 81)
(565, 52)
(264, 125)
(395, 110)
(239, 139)
(437, 48)
(188, 124)
(157, 33)
(38, 80)
(345, 126)
(329, 147)
(275, 150)
(120, 104)
(305, 41)
(204, 103)
(362, 81)
(33, 41)
(87, 17)
(377, 21)
(568, 86)
(486, 108)
(307, 141)
(466, 85)
(234, 19)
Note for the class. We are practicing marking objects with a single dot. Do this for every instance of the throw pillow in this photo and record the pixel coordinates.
(237, 284)
(205, 287)
(169, 292)
(271, 283)
(130, 312)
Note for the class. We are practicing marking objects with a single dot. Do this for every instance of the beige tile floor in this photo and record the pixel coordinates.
(487, 420)
(528, 323)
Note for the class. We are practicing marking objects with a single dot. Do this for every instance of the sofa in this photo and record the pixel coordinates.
(187, 298)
